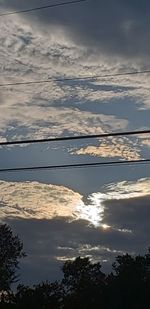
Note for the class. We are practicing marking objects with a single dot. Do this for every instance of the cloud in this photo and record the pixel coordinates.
(34, 200)
(112, 147)
(96, 38)
(128, 189)
(46, 109)
(131, 213)
(48, 243)
(68, 107)
(38, 121)
(146, 142)
(28, 53)
(119, 28)
(56, 223)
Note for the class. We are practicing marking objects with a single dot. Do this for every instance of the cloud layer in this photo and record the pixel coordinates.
(123, 224)
(68, 107)
(56, 223)
(34, 200)
(94, 38)
(119, 27)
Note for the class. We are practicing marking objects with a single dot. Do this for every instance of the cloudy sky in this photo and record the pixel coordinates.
(96, 212)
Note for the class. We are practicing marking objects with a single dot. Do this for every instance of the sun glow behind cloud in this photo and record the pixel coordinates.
(34, 200)
(41, 201)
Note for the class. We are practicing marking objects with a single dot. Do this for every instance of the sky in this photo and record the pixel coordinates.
(98, 212)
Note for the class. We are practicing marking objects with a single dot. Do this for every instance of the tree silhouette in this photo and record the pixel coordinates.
(11, 250)
(84, 283)
(43, 296)
(83, 286)
(129, 284)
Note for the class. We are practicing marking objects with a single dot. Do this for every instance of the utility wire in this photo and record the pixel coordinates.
(89, 77)
(42, 7)
(80, 137)
(72, 166)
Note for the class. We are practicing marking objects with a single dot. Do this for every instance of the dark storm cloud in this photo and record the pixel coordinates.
(128, 213)
(119, 27)
(131, 214)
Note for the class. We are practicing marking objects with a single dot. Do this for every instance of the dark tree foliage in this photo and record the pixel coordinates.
(129, 284)
(43, 296)
(84, 285)
(83, 280)
(11, 250)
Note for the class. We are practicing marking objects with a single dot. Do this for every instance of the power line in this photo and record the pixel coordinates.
(80, 137)
(71, 166)
(42, 7)
(50, 79)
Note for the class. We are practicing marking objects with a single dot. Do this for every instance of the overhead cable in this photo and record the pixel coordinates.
(42, 7)
(89, 77)
(77, 137)
(72, 166)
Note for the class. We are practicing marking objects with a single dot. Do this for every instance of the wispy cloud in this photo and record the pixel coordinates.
(59, 108)
(120, 29)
